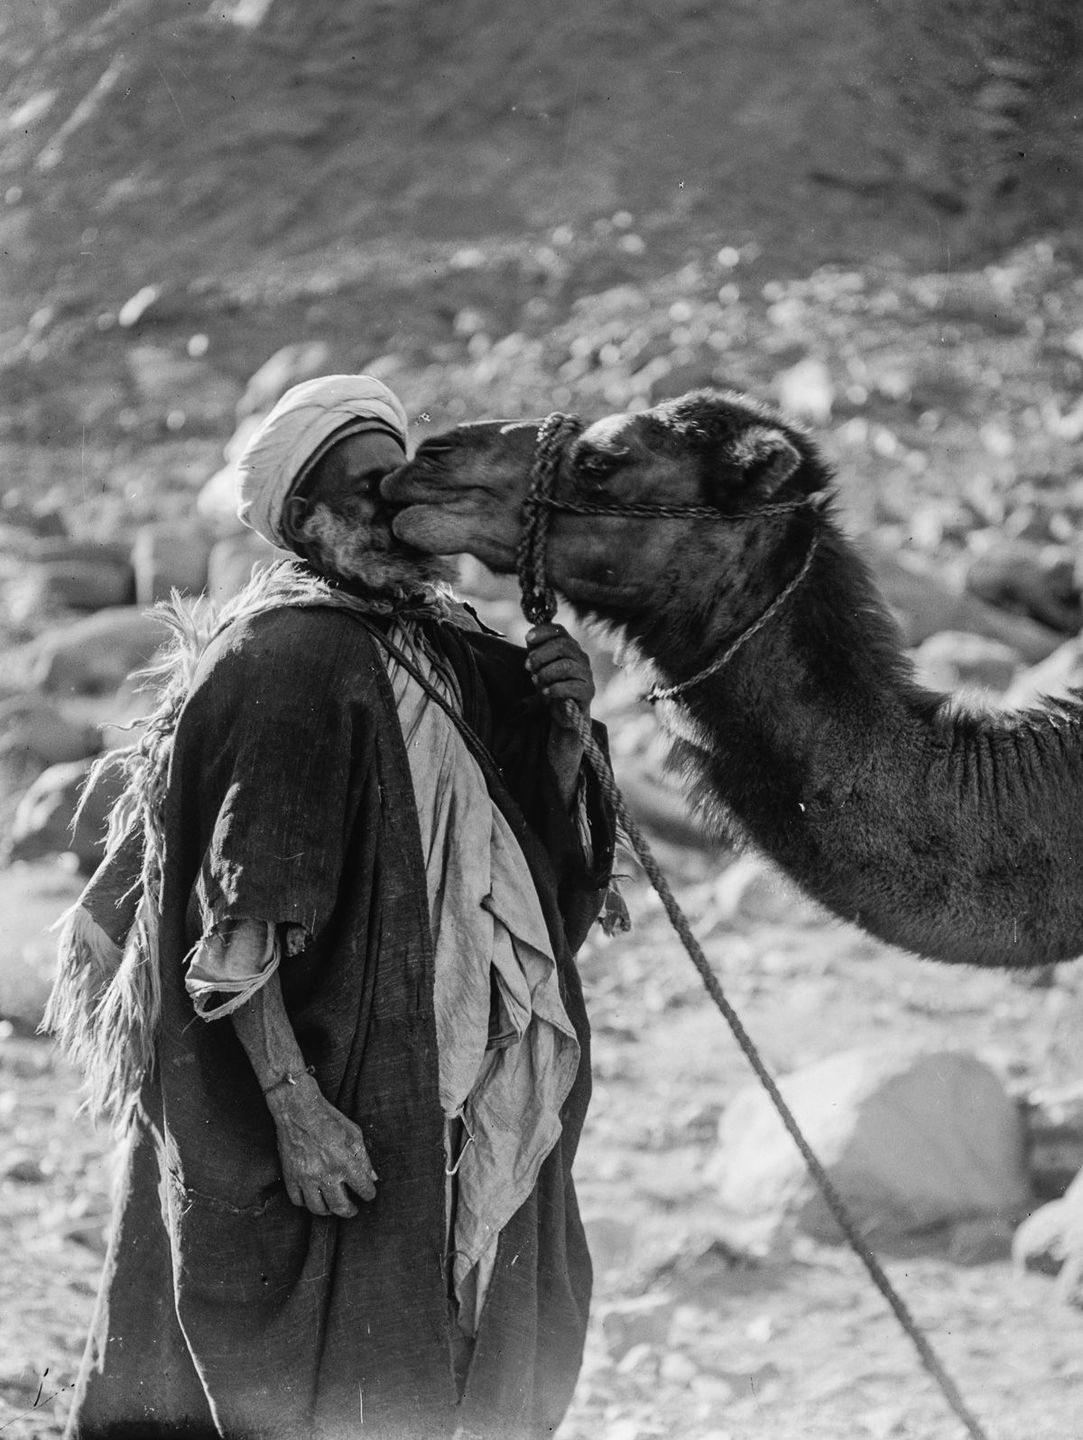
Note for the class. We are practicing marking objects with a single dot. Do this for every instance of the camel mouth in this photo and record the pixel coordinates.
(449, 529)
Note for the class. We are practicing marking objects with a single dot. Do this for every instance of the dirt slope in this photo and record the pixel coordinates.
(151, 136)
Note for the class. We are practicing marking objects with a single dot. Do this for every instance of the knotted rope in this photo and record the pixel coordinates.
(539, 606)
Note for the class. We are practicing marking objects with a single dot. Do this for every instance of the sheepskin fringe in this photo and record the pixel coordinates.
(87, 962)
(105, 1006)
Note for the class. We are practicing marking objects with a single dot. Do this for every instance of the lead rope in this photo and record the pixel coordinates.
(539, 606)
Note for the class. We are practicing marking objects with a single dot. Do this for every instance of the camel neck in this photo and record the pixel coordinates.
(954, 835)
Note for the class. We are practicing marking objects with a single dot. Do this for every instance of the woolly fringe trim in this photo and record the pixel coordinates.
(105, 1005)
(87, 960)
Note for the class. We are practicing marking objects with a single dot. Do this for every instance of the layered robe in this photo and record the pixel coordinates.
(225, 1309)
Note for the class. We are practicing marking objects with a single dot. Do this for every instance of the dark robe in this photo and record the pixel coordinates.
(225, 1309)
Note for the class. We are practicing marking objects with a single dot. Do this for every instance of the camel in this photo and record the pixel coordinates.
(952, 832)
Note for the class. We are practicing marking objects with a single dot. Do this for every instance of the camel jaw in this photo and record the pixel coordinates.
(456, 526)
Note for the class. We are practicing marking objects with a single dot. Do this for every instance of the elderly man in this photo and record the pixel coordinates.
(339, 1012)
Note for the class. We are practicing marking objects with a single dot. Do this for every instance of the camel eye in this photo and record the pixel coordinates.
(595, 466)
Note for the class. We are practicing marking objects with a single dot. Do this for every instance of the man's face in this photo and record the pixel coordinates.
(355, 466)
(342, 524)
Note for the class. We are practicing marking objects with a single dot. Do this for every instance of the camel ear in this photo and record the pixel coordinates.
(766, 457)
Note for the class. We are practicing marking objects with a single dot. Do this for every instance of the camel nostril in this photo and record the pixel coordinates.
(433, 449)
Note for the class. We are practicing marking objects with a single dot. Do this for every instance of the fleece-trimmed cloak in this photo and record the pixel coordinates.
(225, 1309)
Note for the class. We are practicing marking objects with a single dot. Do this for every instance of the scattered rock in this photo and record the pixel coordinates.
(25, 1170)
(134, 308)
(981, 1242)
(49, 549)
(216, 503)
(1054, 1125)
(952, 659)
(69, 585)
(751, 889)
(661, 809)
(167, 557)
(677, 1369)
(32, 726)
(612, 1241)
(1051, 1242)
(180, 388)
(286, 367)
(39, 517)
(54, 819)
(1030, 581)
(806, 391)
(95, 655)
(645, 1320)
(924, 604)
(912, 1141)
(1059, 674)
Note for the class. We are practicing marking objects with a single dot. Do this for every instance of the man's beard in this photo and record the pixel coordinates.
(353, 541)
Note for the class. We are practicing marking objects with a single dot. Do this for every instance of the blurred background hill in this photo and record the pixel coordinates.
(276, 168)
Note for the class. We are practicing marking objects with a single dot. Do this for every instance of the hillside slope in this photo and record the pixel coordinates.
(157, 134)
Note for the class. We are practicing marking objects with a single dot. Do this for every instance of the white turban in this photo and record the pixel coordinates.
(301, 428)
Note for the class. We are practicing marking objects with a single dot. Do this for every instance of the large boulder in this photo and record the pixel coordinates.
(34, 727)
(168, 556)
(913, 1141)
(216, 503)
(94, 655)
(55, 818)
(1029, 579)
(1051, 1241)
(286, 367)
(924, 603)
(1057, 675)
(955, 659)
(72, 584)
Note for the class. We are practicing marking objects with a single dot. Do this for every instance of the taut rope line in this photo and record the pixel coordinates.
(539, 607)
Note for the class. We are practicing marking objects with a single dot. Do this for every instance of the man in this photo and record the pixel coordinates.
(339, 1012)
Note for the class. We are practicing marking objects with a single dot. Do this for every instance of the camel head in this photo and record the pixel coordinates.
(464, 491)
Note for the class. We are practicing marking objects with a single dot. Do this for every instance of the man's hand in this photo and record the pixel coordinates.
(323, 1153)
(560, 668)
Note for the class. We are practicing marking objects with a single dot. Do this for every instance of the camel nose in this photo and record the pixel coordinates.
(435, 448)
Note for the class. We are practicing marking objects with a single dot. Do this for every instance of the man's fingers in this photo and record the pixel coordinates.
(554, 650)
(566, 690)
(314, 1199)
(338, 1202)
(360, 1176)
(560, 668)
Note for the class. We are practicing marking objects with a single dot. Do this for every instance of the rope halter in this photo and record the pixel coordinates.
(538, 599)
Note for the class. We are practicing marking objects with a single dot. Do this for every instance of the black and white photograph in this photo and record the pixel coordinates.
(541, 720)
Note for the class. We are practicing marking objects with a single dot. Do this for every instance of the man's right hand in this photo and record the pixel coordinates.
(323, 1153)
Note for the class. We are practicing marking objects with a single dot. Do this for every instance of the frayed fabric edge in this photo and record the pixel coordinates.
(240, 989)
(104, 1007)
(87, 961)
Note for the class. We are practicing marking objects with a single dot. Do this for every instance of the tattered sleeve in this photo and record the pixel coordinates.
(270, 740)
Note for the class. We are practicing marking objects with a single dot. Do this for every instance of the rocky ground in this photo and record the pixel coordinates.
(691, 1337)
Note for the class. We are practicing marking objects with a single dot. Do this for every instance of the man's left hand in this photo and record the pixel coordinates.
(560, 668)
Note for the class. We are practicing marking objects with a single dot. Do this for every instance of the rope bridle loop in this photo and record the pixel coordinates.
(539, 601)
(539, 605)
